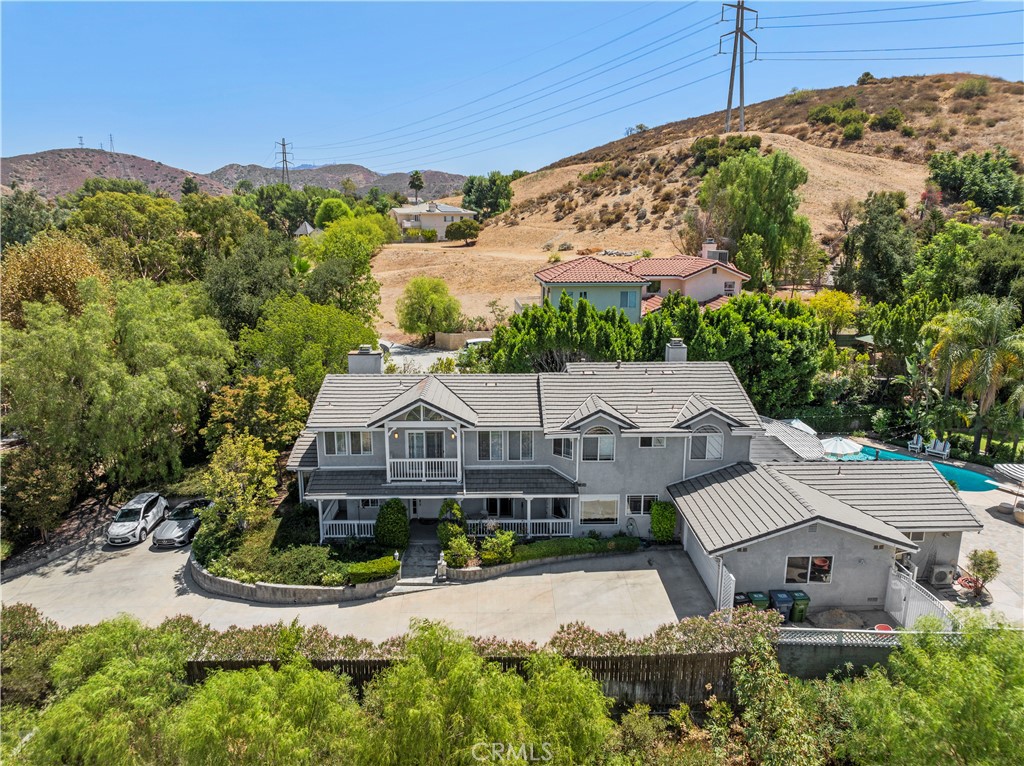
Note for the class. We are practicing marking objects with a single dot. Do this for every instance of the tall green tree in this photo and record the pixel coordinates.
(885, 247)
(981, 349)
(945, 265)
(307, 339)
(23, 214)
(488, 195)
(999, 266)
(189, 186)
(331, 210)
(754, 194)
(416, 183)
(215, 228)
(988, 180)
(426, 307)
(268, 408)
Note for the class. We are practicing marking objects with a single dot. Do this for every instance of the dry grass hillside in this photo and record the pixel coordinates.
(58, 172)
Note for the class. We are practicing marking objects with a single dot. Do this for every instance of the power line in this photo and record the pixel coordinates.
(871, 10)
(890, 21)
(513, 85)
(885, 50)
(512, 104)
(566, 111)
(903, 58)
(577, 122)
(564, 103)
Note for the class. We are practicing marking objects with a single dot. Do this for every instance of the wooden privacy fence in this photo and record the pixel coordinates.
(662, 680)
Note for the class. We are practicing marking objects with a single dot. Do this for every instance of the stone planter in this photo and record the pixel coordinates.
(1018, 515)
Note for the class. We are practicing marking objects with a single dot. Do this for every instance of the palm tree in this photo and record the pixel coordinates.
(1004, 213)
(416, 183)
(980, 349)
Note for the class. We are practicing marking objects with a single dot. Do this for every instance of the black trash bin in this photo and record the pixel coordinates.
(782, 602)
(740, 599)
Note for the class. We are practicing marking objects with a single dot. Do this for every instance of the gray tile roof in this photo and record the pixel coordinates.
(744, 503)
(350, 401)
(432, 392)
(594, 405)
(783, 443)
(521, 481)
(909, 494)
(650, 395)
(332, 484)
(303, 454)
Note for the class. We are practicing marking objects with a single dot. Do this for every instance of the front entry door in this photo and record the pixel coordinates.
(415, 507)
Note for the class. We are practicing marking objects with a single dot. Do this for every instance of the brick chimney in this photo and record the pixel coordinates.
(675, 350)
(365, 361)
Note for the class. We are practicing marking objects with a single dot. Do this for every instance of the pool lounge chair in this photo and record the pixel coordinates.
(916, 444)
(939, 449)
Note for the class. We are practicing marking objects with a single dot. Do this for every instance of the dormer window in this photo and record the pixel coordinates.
(598, 444)
(422, 414)
(707, 443)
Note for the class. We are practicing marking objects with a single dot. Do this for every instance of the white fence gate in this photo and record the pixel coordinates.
(707, 567)
(907, 601)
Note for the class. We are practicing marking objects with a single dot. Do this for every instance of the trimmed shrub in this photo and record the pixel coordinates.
(369, 571)
(663, 521)
(459, 552)
(447, 531)
(497, 549)
(392, 525)
(452, 511)
(429, 235)
(569, 546)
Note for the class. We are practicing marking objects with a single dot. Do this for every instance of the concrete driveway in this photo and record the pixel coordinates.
(635, 593)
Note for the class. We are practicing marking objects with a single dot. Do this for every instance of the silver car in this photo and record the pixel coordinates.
(136, 519)
(181, 524)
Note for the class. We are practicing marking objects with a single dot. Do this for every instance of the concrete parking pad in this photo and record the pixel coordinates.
(635, 593)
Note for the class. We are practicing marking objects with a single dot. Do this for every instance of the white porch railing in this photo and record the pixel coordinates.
(521, 303)
(532, 528)
(907, 601)
(424, 469)
(348, 529)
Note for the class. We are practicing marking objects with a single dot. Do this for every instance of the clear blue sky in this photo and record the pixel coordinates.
(448, 86)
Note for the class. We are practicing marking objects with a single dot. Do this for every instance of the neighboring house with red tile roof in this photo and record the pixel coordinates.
(638, 287)
(603, 284)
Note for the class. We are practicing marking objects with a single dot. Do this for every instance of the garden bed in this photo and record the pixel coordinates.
(546, 552)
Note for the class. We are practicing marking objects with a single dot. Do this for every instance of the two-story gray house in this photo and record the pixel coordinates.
(590, 448)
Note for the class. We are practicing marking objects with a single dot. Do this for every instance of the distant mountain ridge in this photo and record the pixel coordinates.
(58, 172)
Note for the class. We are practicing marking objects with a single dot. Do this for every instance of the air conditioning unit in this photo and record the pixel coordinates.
(941, 575)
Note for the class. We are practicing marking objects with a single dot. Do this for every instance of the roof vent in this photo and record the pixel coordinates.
(618, 364)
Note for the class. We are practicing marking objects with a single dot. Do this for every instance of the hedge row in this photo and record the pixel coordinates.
(569, 546)
(369, 571)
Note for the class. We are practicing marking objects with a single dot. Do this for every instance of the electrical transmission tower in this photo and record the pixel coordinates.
(285, 177)
(739, 34)
(81, 143)
(111, 142)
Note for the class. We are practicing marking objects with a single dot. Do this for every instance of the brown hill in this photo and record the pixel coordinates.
(58, 172)
(436, 183)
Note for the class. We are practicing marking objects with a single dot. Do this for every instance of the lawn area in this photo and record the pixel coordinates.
(285, 549)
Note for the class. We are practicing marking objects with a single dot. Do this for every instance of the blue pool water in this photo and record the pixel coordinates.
(967, 481)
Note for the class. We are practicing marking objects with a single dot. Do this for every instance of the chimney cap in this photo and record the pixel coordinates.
(676, 342)
(365, 348)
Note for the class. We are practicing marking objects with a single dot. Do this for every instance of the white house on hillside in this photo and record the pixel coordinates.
(429, 215)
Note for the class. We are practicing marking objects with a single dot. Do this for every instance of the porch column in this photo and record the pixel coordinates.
(302, 488)
(387, 452)
(529, 503)
(320, 514)
(458, 454)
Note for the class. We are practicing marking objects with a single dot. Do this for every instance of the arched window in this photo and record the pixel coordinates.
(598, 444)
(707, 443)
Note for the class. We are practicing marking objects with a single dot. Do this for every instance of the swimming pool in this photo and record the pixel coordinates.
(967, 481)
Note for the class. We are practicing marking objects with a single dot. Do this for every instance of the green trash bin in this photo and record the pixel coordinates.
(758, 598)
(800, 602)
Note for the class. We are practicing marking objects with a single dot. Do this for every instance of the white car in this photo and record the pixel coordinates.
(136, 519)
(476, 342)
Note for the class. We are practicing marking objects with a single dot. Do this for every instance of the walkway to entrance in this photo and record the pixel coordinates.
(420, 558)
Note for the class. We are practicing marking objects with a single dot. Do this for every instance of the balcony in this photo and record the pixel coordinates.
(424, 469)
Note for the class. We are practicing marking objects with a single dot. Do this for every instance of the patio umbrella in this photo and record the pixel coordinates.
(1013, 470)
(837, 446)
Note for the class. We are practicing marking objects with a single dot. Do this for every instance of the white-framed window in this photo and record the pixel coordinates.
(729, 288)
(449, 219)
(499, 507)
(707, 443)
(561, 508)
(421, 414)
(562, 448)
(421, 445)
(490, 446)
(583, 295)
(520, 445)
(599, 509)
(598, 444)
(640, 505)
(348, 443)
(804, 569)
(368, 502)
(627, 299)
(652, 442)
(916, 537)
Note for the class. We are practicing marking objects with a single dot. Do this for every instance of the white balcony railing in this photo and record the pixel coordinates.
(522, 302)
(348, 529)
(532, 528)
(425, 469)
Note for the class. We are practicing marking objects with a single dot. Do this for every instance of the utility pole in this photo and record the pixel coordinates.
(285, 177)
(738, 34)
(81, 143)
(111, 142)
(101, 146)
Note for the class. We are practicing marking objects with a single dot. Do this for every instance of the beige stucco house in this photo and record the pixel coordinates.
(429, 215)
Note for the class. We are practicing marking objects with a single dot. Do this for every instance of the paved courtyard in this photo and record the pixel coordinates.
(635, 593)
(1006, 537)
